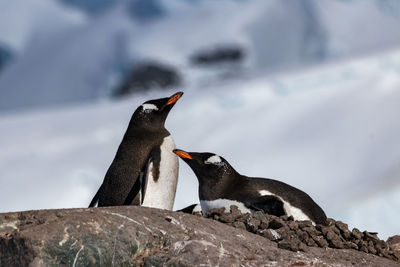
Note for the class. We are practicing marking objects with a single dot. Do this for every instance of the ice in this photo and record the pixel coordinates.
(329, 129)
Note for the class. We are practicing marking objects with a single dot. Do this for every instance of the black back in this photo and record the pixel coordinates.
(221, 181)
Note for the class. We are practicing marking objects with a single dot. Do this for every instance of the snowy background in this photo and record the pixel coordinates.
(315, 102)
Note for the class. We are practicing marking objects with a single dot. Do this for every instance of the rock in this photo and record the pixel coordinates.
(227, 218)
(325, 229)
(394, 242)
(321, 242)
(370, 236)
(371, 247)
(139, 236)
(271, 234)
(357, 233)
(264, 223)
(330, 222)
(276, 223)
(234, 210)
(311, 231)
(239, 225)
(303, 224)
(284, 232)
(293, 244)
(349, 245)
(293, 225)
(344, 230)
(363, 248)
(147, 75)
(218, 55)
(381, 244)
(214, 212)
(311, 243)
(252, 224)
(285, 218)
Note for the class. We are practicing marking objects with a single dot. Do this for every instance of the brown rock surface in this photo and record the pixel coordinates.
(132, 236)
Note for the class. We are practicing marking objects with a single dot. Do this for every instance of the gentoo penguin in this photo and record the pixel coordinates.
(145, 170)
(221, 186)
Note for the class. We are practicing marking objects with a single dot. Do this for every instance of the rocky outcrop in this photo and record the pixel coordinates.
(132, 236)
(300, 235)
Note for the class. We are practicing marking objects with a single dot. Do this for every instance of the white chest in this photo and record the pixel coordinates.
(290, 210)
(161, 193)
(207, 205)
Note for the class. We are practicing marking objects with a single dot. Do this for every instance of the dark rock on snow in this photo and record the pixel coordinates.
(218, 55)
(6, 56)
(137, 236)
(148, 75)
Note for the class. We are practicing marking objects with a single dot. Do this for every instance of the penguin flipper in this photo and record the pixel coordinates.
(188, 209)
(268, 204)
(138, 191)
(96, 197)
(131, 199)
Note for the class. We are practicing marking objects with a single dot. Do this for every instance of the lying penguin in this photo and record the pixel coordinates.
(221, 186)
(144, 171)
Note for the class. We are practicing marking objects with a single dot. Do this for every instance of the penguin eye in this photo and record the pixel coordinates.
(147, 108)
(215, 160)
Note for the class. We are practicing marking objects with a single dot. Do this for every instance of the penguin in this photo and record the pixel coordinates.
(220, 185)
(144, 171)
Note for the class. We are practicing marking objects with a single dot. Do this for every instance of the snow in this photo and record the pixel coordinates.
(329, 129)
(69, 57)
(33, 16)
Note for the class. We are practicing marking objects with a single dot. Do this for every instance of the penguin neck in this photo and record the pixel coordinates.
(211, 188)
(136, 130)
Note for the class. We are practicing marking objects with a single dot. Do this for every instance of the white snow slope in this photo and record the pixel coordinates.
(331, 131)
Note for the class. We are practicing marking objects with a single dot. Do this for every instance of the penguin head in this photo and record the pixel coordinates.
(153, 113)
(208, 167)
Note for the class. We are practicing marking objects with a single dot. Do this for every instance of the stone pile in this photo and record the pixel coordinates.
(300, 235)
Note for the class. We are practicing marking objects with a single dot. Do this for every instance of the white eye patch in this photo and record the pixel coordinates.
(213, 160)
(149, 107)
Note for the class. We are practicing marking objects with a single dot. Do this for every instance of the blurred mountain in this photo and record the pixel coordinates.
(140, 10)
(70, 51)
(89, 6)
(6, 56)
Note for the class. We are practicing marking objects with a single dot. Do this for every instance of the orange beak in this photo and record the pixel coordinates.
(174, 98)
(182, 154)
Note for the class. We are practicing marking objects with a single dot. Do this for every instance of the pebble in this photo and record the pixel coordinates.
(300, 235)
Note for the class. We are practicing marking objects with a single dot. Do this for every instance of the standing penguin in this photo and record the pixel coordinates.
(221, 186)
(144, 171)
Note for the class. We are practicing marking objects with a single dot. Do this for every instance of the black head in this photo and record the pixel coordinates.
(210, 169)
(151, 115)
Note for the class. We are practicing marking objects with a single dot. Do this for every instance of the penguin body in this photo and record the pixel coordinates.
(144, 170)
(221, 186)
(168, 170)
